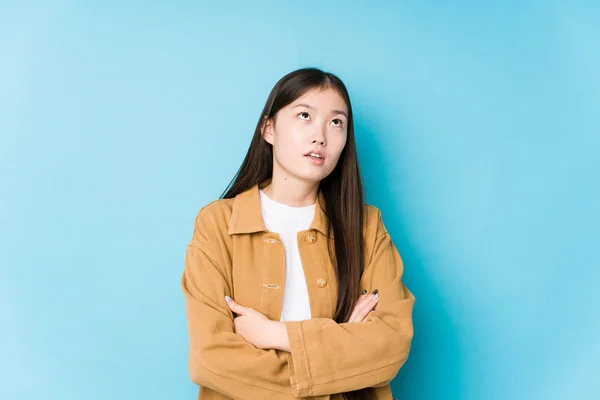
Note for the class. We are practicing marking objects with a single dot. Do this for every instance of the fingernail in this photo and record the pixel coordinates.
(228, 299)
(375, 291)
(373, 309)
(364, 292)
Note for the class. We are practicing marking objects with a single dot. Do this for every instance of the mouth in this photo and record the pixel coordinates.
(316, 155)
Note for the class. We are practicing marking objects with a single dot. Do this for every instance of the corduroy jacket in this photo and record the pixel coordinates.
(232, 253)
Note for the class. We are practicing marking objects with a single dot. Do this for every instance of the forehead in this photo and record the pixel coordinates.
(322, 99)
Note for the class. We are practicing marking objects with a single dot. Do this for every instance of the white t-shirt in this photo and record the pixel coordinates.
(287, 221)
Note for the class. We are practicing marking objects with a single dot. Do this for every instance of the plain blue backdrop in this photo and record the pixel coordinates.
(478, 131)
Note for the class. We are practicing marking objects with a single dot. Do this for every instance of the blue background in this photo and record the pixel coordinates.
(478, 133)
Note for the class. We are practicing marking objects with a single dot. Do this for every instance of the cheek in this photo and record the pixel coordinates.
(337, 144)
(289, 141)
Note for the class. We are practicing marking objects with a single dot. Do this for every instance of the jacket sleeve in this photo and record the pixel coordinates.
(327, 357)
(218, 358)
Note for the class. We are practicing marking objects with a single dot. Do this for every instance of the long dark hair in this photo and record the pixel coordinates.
(342, 189)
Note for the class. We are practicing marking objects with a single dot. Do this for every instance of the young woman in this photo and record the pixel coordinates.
(293, 286)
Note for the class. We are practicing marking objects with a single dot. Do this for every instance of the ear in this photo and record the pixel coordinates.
(267, 130)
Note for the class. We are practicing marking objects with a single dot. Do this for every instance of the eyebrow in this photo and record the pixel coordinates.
(312, 108)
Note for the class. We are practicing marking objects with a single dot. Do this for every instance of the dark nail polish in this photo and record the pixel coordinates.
(375, 291)
(373, 309)
(364, 292)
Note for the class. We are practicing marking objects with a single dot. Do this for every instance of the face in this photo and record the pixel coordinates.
(314, 123)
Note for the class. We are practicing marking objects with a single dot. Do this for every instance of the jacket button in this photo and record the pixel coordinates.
(311, 238)
(322, 282)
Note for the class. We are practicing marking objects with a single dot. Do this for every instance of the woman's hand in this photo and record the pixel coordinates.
(365, 305)
(257, 329)
(263, 333)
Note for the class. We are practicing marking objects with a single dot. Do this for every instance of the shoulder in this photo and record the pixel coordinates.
(214, 216)
(373, 222)
(377, 238)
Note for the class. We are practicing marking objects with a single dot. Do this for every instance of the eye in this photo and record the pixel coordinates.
(303, 115)
(338, 122)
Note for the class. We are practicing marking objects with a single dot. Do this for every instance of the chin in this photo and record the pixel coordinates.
(313, 177)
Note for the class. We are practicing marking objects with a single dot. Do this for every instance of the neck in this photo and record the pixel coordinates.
(292, 191)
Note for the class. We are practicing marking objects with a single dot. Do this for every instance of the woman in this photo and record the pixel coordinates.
(293, 286)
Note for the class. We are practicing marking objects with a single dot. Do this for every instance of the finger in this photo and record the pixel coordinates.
(353, 316)
(361, 307)
(235, 307)
(371, 301)
(357, 305)
(376, 298)
(369, 313)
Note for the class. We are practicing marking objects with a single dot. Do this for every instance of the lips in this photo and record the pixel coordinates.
(315, 157)
(315, 154)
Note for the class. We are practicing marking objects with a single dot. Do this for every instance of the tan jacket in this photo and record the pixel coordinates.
(232, 253)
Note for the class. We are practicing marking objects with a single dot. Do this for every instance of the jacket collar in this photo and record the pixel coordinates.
(246, 216)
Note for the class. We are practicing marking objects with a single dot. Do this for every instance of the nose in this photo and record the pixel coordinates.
(319, 137)
(320, 142)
